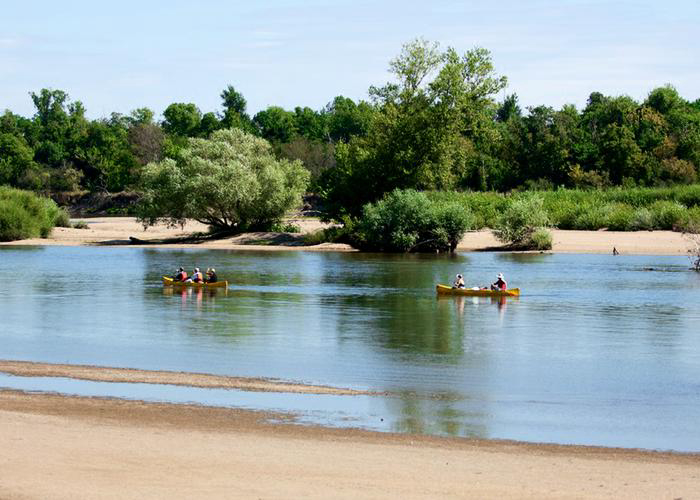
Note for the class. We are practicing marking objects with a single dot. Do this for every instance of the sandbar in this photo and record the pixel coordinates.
(106, 231)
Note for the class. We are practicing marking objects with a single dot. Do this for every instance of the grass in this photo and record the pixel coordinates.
(674, 208)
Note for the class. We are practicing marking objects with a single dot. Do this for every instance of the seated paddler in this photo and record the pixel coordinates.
(500, 283)
(196, 276)
(459, 282)
(181, 275)
(211, 276)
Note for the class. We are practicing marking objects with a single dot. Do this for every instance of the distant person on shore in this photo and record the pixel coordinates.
(459, 282)
(500, 283)
(196, 276)
(180, 276)
(211, 276)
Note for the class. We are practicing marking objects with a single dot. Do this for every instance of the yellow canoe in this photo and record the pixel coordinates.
(469, 292)
(170, 282)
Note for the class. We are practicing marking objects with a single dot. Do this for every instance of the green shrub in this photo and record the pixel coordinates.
(285, 227)
(25, 215)
(621, 217)
(642, 220)
(668, 214)
(61, 217)
(81, 224)
(540, 239)
(520, 220)
(691, 221)
(408, 221)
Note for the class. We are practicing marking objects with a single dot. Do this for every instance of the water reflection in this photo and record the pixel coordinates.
(607, 344)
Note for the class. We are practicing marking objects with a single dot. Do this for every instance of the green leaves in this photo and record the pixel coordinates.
(408, 221)
(231, 181)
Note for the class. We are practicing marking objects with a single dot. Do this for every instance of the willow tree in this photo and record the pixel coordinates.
(231, 182)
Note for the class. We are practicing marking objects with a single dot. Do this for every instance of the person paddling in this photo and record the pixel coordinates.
(459, 282)
(211, 276)
(196, 276)
(181, 275)
(500, 283)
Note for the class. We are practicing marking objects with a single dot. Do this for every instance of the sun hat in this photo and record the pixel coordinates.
(500, 276)
(459, 275)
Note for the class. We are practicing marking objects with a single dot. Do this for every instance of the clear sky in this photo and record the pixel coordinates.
(118, 56)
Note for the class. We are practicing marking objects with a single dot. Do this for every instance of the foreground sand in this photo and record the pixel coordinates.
(71, 448)
(118, 230)
(54, 446)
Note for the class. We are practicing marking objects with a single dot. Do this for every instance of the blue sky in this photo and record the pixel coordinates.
(118, 56)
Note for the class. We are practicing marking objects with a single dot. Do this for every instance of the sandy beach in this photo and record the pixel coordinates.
(109, 231)
(58, 447)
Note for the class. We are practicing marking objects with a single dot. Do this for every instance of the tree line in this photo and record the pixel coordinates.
(437, 126)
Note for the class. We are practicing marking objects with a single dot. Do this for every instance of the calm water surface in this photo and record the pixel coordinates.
(598, 350)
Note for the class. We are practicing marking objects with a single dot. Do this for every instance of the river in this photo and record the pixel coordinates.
(598, 350)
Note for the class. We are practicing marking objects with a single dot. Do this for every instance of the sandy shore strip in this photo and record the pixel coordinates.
(117, 231)
(58, 447)
(202, 380)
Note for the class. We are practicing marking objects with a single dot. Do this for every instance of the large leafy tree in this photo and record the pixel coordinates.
(231, 181)
(427, 128)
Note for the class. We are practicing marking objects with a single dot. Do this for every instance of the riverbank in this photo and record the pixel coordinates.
(54, 446)
(108, 231)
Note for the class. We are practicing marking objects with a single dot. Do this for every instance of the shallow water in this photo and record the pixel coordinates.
(598, 350)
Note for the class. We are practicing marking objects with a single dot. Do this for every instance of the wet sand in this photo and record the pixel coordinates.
(118, 230)
(202, 380)
(71, 447)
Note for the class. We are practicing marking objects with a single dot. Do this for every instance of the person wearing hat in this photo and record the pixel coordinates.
(211, 276)
(500, 283)
(196, 276)
(181, 275)
(459, 282)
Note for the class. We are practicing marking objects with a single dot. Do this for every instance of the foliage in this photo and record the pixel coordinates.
(519, 221)
(408, 221)
(425, 131)
(25, 215)
(285, 227)
(231, 181)
(540, 239)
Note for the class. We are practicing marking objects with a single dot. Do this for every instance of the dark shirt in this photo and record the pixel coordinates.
(211, 278)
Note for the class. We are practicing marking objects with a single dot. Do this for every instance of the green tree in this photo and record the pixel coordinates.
(182, 119)
(17, 166)
(275, 124)
(345, 119)
(235, 114)
(424, 133)
(231, 181)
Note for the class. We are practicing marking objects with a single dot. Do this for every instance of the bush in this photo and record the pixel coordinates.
(61, 217)
(642, 220)
(285, 227)
(408, 221)
(540, 239)
(520, 220)
(621, 217)
(25, 215)
(668, 214)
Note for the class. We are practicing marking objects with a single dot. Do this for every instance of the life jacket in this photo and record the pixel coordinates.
(502, 285)
(197, 277)
(181, 276)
